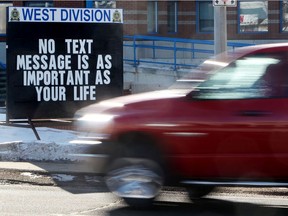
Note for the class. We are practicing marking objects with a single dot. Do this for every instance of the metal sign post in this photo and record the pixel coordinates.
(220, 30)
(220, 24)
(231, 3)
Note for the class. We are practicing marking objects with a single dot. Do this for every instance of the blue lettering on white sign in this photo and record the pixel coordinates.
(38, 14)
(86, 15)
(31, 14)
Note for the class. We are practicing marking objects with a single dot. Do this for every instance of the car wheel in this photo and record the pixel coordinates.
(196, 192)
(137, 181)
(135, 172)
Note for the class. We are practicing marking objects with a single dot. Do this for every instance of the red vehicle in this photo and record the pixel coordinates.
(226, 123)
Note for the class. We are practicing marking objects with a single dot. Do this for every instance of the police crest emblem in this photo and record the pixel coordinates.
(15, 15)
(116, 16)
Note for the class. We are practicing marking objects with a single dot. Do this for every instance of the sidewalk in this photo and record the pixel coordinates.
(58, 151)
(48, 167)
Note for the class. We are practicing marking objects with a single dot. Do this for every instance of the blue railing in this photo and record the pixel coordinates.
(173, 52)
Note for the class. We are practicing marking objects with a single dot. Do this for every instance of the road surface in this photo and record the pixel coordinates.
(25, 193)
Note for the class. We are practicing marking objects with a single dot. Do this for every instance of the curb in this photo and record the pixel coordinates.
(40, 151)
(54, 158)
(44, 167)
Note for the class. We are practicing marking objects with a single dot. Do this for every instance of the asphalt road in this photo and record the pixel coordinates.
(32, 193)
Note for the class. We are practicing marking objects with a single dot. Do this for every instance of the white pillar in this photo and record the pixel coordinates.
(220, 29)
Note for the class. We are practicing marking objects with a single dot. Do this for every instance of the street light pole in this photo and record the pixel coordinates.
(220, 29)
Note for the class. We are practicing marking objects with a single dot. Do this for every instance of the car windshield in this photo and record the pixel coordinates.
(205, 70)
(231, 78)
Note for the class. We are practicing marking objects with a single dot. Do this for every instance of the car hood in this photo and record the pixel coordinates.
(119, 103)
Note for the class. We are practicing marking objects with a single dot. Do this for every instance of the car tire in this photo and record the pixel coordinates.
(135, 173)
(197, 192)
(139, 203)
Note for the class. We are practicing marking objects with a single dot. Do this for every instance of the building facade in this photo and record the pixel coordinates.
(249, 20)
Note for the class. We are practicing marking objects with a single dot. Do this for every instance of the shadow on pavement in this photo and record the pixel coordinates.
(75, 178)
(207, 207)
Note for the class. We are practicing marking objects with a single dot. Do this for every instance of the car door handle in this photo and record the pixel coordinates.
(254, 113)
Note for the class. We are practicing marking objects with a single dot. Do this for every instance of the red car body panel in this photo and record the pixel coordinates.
(224, 139)
(229, 138)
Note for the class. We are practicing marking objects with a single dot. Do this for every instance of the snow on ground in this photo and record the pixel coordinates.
(21, 144)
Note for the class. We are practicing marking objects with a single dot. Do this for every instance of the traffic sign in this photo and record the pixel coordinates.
(228, 3)
(51, 74)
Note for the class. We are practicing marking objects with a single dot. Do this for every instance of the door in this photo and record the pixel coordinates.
(235, 125)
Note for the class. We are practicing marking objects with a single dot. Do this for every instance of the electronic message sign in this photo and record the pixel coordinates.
(62, 59)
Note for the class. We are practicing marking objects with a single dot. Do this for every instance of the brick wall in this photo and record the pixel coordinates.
(135, 17)
(58, 3)
(69, 4)
(135, 20)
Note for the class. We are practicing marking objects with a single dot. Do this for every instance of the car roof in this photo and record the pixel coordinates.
(263, 46)
(231, 55)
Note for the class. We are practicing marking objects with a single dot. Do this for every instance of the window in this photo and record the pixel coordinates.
(205, 16)
(285, 15)
(253, 16)
(3, 7)
(38, 4)
(254, 76)
(152, 17)
(105, 4)
(172, 16)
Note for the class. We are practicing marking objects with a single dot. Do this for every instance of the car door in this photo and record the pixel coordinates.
(233, 126)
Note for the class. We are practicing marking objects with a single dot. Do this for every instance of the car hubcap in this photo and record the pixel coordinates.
(135, 178)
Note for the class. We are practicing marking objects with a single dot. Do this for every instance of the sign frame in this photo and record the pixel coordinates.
(225, 3)
(51, 74)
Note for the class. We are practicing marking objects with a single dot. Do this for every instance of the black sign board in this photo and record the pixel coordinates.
(60, 59)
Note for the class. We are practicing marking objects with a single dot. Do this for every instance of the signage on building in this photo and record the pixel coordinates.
(105, 4)
(3, 16)
(249, 19)
(61, 59)
(231, 3)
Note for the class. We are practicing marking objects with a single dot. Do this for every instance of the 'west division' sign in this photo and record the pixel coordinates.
(80, 15)
(60, 60)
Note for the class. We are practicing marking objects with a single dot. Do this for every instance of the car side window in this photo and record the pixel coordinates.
(276, 79)
(254, 76)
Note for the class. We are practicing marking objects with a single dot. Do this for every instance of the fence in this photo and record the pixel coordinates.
(174, 52)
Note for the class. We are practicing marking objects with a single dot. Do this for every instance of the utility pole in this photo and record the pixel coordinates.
(220, 29)
(220, 24)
